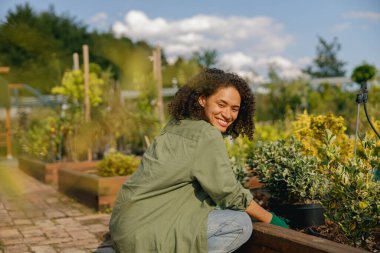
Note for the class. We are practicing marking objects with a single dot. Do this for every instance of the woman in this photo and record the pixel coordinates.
(184, 196)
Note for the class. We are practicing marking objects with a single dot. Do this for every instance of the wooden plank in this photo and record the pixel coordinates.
(271, 238)
(15, 86)
(254, 248)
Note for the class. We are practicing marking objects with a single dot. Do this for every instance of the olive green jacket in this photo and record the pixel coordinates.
(183, 175)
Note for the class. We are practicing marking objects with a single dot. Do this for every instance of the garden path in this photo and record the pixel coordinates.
(36, 218)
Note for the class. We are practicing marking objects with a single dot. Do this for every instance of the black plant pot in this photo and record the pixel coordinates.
(300, 215)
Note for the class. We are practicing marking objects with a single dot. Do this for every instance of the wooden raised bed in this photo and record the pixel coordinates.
(48, 172)
(268, 238)
(90, 189)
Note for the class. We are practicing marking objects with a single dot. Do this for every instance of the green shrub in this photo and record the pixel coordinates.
(353, 199)
(238, 150)
(239, 169)
(363, 73)
(117, 164)
(40, 138)
(271, 131)
(289, 175)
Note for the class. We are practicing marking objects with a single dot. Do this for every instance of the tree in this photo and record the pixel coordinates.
(326, 63)
(38, 46)
(206, 58)
(180, 72)
(363, 73)
(73, 86)
(285, 98)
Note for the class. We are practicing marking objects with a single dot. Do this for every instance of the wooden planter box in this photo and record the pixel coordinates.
(48, 172)
(268, 238)
(90, 189)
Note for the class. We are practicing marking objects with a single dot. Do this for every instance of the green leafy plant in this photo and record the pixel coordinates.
(117, 164)
(271, 131)
(363, 73)
(289, 175)
(353, 199)
(239, 170)
(238, 150)
(73, 85)
(39, 138)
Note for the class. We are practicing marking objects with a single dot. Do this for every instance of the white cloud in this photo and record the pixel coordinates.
(236, 60)
(341, 27)
(304, 61)
(252, 76)
(99, 20)
(286, 69)
(264, 34)
(246, 45)
(118, 29)
(368, 15)
(255, 69)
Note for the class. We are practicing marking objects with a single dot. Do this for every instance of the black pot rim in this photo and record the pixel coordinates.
(298, 205)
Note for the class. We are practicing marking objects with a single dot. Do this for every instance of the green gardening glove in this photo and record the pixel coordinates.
(277, 221)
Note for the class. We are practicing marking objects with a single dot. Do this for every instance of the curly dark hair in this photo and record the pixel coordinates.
(185, 104)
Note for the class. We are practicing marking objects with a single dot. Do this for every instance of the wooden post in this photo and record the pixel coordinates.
(158, 77)
(8, 132)
(87, 105)
(75, 61)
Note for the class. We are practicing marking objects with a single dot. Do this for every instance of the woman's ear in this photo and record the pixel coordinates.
(202, 100)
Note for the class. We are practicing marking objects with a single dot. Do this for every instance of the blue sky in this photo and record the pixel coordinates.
(248, 34)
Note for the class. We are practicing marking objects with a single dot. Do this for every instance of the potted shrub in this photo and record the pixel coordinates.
(293, 180)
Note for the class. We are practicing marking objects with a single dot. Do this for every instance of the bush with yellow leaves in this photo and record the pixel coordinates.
(118, 164)
(310, 130)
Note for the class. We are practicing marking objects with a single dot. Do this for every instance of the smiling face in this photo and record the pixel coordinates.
(221, 108)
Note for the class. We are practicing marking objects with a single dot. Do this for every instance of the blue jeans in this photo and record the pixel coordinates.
(227, 230)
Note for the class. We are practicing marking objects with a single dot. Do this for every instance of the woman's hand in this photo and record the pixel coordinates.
(257, 212)
(278, 221)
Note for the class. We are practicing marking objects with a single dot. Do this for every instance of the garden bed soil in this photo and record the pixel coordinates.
(329, 231)
(90, 189)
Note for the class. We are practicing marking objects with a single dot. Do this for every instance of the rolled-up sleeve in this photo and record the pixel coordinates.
(212, 169)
